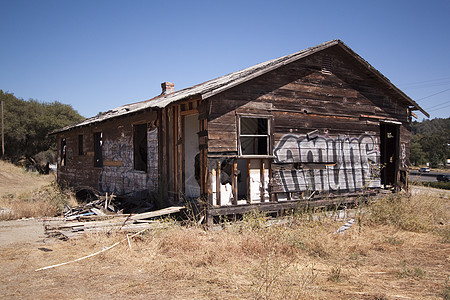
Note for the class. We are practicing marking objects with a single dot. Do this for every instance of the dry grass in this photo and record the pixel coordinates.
(398, 249)
(25, 194)
(378, 258)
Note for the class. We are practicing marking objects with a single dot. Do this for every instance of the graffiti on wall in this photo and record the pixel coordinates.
(403, 155)
(124, 179)
(342, 163)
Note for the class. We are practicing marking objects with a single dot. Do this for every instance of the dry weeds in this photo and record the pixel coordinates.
(27, 194)
(378, 258)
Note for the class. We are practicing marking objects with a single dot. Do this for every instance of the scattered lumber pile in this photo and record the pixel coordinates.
(101, 216)
(101, 206)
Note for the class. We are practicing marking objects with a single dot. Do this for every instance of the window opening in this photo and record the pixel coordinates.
(80, 145)
(98, 144)
(140, 147)
(63, 151)
(254, 136)
(326, 65)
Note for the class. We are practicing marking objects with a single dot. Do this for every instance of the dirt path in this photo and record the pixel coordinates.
(25, 231)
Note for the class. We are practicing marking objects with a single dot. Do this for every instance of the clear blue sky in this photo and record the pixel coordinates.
(98, 55)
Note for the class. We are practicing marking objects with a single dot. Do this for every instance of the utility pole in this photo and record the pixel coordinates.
(3, 134)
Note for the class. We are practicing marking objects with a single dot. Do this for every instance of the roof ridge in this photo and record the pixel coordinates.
(214, 86)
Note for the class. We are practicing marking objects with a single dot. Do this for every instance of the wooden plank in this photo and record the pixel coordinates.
(235, 183)
(249, 194)
(218, 195)
(166, 149)
(261, 170)
(180, 156)
(174, 151)
(274, 207)
(189, 112)
(111, 163)
(157, 213)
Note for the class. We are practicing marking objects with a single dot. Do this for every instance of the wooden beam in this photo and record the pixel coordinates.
(166, 148)
(235, 183)
(189, 112)
(179, 152)
(261, 179)
(218, 196)
(274, 207)
(112, 163)
(174, 151)
(249, 192)
(157, 213)
(183, 155)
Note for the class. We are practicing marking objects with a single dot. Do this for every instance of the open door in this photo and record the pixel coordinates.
(389, 148)
(191, 160)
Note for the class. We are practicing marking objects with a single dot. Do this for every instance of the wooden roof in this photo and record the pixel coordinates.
(215, 86)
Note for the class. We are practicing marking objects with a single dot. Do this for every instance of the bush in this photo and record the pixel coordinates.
(437, 185)
(413, 213)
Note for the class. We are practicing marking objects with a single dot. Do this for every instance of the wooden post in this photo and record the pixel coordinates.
(218, 200)
(235, 183)
(175, 152)
(106, 201)
(3, 134)
(261, 180)
(249, 192)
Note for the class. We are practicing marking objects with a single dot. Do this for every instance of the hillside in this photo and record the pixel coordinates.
(15, 180)
(26, 195)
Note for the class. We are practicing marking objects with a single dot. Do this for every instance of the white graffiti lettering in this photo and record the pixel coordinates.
(403, 156)
(337, 164)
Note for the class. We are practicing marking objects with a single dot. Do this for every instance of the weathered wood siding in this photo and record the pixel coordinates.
(337, 100)
(117, 175)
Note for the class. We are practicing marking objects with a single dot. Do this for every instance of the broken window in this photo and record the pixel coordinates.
(98, 143)
(140, 147)
(80, 145)
(254, 136)
(63, 151)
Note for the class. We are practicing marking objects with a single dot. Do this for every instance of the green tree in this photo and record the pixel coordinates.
(27, 124)
(417, 156)
(430, 142)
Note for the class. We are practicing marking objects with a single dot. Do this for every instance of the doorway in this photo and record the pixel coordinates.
(191, 163)
(389, 154)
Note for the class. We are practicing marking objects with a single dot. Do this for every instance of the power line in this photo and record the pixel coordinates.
(425, 81)
(433, 94)
(438, 105)
(438, 108)
(446, 83)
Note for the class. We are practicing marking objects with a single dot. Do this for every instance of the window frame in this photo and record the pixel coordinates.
(135, 150)
(269, 135)
(80, 144)
(98, 150)
(63, 158)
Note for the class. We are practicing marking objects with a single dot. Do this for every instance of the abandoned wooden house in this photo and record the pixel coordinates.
(319, 122)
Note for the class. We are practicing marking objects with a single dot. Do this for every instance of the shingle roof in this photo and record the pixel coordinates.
(215, 86)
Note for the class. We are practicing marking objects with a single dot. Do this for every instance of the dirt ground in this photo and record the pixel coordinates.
(20, 232)
(299, 260)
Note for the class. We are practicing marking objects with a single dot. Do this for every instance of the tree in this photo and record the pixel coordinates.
(417, 156)
(430, 142)
(27, 124)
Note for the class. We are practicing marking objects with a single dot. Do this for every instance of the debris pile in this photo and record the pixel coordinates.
(102, 206)
(106, 213)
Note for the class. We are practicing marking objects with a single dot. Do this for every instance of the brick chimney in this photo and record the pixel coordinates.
(167, 88)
